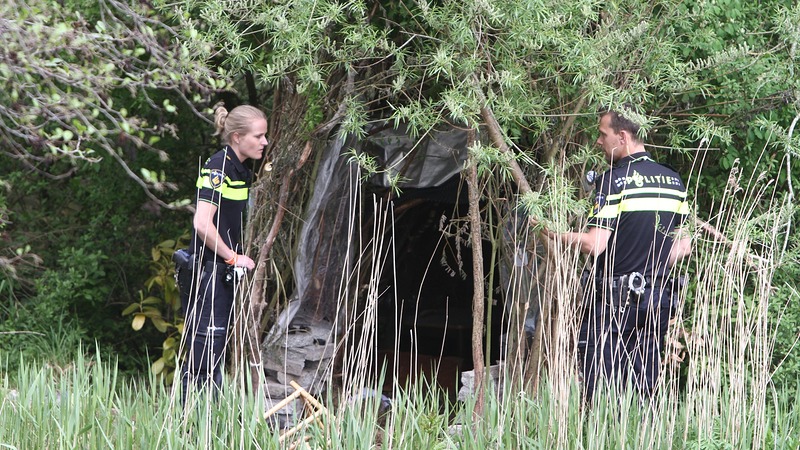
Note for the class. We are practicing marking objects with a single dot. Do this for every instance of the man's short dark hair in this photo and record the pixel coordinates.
(619, 122)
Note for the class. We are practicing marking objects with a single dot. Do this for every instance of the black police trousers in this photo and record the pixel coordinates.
(207, 319)
(621, 337)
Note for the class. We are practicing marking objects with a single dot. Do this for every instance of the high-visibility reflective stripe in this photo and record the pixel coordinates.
(205, 182)
(612, 211)
(206, 172)
(234, 193)
(607, 212)
(653, 204)
(228, 190)
(639, 191)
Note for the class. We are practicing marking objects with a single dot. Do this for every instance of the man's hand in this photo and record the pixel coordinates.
(544, 231)
(592, 242)
(681, 246)
(550, 234)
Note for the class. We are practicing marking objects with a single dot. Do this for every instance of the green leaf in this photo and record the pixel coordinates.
(138, 322)
(170, 342)
(169, 354)
(160, 324)
(151, 301)
(158, 366)
(168, 244)
(130, 309)
(169, 107)
(151, 312)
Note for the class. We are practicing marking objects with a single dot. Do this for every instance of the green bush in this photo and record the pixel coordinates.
(92, 233)
(160, 303)
(47, 327)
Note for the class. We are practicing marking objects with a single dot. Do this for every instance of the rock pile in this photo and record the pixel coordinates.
(302, 354)
(468, 381)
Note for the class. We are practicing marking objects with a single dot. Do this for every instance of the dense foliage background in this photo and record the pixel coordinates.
(90, 144)
(103, 121)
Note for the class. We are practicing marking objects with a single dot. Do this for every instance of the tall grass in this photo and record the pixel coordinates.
(726, 398)
(88, 407)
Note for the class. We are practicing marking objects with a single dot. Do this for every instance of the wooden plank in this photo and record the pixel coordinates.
(282, 404)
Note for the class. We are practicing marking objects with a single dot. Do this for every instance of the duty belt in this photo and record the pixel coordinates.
(184, 259)
(636, 282)
(623, 290)
(214, 267)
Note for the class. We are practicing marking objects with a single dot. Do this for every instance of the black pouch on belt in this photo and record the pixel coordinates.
(618, 293)
(184, 271)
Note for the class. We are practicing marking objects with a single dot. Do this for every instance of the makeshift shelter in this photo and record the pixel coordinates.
(396, 263)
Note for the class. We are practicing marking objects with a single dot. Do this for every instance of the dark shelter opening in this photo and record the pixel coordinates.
(425, 308)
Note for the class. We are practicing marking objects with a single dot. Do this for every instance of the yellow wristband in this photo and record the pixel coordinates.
(232, 261)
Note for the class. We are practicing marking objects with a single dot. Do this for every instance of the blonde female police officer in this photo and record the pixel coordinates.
(634, 234)
(222, 194)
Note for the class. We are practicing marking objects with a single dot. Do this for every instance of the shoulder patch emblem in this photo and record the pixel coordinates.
(216, 178)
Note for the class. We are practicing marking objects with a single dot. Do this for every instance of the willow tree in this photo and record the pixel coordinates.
(83, 81)
(527, 77)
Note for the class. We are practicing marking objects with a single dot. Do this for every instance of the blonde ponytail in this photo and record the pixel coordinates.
(238, 120)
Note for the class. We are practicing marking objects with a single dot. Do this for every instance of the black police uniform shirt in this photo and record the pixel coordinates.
(225, 182)
(642, 202)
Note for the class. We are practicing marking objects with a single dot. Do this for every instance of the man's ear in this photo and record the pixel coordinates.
(624, 137)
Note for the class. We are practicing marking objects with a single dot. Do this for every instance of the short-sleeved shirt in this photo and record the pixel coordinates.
(642, 202)
(225, 182)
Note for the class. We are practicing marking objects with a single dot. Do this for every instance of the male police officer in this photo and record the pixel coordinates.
(634, 234)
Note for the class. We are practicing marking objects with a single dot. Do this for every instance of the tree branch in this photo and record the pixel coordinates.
(722, 239)
(562, 136)
(789, 179)
(477, 278)
(257, 303)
